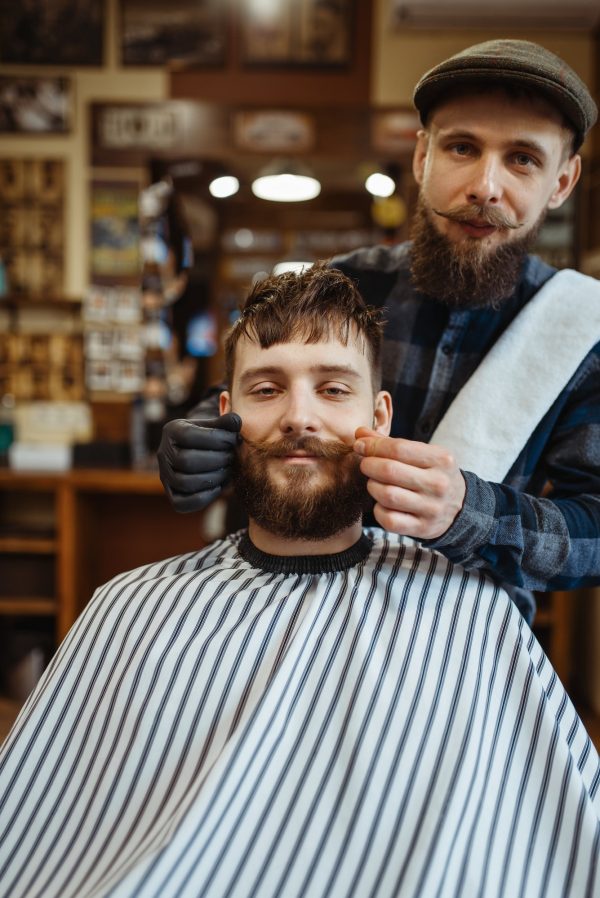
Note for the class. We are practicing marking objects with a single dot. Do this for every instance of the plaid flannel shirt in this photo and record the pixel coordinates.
(540, 528)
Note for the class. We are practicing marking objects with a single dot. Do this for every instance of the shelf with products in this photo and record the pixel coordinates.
(41, 349)
(32, 192)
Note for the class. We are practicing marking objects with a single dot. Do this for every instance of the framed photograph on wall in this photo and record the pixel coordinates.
(312, 33)
(180, 33)
(115, 237)
(52, 32)
(35, 105)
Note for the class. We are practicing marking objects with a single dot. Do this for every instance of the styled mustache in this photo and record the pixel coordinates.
(488, 214)
(330, 449)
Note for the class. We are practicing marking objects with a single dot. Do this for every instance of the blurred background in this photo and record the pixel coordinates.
(137, 138)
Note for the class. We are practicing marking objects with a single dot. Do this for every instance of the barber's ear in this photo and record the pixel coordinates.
(382, 415)
(420, 156)
(224, 403)
(566, 181)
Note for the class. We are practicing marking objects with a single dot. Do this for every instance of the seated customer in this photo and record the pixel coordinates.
(305, 708)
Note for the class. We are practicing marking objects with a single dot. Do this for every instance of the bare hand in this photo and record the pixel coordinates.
(418, 488)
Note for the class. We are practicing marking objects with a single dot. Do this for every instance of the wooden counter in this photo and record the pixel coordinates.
(62, 535)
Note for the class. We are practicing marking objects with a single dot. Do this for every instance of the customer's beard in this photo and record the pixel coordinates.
(300, 509)
(469, 274)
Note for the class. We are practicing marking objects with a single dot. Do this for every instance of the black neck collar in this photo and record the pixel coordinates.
(304, 564)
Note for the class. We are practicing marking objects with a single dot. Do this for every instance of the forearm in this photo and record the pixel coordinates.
(542, 544)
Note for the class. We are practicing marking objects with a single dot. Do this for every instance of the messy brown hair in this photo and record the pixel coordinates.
(316, 304)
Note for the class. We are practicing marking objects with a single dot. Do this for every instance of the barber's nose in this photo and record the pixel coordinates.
(484, 187)
(298, 416)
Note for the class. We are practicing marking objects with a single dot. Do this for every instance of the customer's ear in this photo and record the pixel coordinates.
(224, 403)
(382, 414)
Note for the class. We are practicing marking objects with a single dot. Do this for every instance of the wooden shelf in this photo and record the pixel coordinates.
(27, 300)
(31, 606)
(28, 545)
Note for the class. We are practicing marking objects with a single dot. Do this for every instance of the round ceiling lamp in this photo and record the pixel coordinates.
(286, 182)
(224, 186)
(379, 184)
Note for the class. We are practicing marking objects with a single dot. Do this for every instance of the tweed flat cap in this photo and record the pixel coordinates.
(517, 62)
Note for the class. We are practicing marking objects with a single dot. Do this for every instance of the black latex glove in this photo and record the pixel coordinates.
(194, 459)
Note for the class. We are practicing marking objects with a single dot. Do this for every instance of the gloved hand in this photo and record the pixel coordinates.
(194, 459)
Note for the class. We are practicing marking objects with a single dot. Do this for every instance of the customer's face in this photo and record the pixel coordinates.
(300, 405)
(499, 161)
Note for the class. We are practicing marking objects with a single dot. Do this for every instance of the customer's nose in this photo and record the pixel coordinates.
(299, 414)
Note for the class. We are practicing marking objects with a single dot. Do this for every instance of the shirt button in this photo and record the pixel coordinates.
(446, 349)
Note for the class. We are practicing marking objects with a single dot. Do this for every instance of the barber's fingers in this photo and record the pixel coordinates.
(195, 458)
(182, 483)
(210, 433)
(370, 444)
(185, 504)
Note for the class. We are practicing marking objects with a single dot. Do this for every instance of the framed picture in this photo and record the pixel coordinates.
(305, 33)
(52, 32)
(180, 33)
(115, 250)
(35, 105)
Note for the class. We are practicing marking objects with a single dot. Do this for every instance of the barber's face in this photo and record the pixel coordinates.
(500, 162)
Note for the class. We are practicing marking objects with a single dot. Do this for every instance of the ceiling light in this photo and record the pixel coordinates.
(286, 182)
(225, 185)
(379, 184)
(291, 265)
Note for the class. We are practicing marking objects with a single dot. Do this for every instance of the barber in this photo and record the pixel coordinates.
(502, 123)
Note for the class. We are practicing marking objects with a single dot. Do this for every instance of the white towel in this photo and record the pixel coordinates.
(495, 413)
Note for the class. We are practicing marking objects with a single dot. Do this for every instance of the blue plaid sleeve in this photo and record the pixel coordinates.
(549, 541)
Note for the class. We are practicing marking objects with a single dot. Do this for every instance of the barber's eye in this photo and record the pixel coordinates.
(524, 160)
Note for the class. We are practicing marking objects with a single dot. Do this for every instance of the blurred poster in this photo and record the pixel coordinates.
(52, 32)
(34, 105)
(115, 250)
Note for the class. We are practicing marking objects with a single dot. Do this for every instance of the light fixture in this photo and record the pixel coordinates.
(286, 182)
(224, 186)
(291, 265)
(379, 184)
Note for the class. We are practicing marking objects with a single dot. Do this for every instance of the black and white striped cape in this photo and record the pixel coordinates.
(219, 725)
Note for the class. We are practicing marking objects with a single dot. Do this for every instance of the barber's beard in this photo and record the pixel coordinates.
(301, 507)
(468, 274)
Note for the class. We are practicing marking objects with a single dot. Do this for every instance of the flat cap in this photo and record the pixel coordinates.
(494, 63)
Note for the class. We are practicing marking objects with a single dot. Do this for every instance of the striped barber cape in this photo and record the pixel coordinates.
(229, 723)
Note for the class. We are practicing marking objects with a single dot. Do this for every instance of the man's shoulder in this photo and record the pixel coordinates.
(403, 560)
(378, 270)
(204, 560)
(381, 257)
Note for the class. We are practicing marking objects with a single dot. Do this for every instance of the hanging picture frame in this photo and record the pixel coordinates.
(52, 32)
(309, 33)
(177, 34)
(30, 105)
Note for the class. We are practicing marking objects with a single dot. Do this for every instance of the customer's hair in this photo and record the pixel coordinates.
(317, 304)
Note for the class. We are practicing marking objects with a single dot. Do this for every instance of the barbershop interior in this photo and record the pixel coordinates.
(157, 159)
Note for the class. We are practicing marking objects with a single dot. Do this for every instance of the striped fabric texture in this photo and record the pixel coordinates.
(212, 727)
